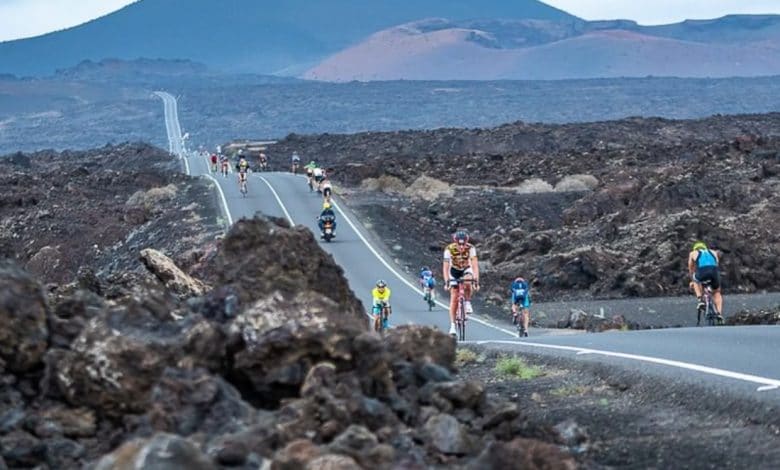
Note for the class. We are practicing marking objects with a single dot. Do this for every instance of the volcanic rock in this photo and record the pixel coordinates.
(24, 335)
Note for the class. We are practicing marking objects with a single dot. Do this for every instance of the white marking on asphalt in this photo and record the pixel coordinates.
(765, 382)
(279, 200)
(222, 197)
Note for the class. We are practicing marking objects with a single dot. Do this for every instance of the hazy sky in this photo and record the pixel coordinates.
(23, 18)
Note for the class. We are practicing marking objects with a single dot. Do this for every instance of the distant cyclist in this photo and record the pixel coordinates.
(242, 165)
(213, 162)
(319, 175)
(263, 161)
(327, 189)
(309, 173)
(225, 162)
(295, 162)
(703, 266)
(521, 297)
(460, 262)
(427, 281)
(380, 300)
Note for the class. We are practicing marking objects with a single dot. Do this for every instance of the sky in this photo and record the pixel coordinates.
(25, 18)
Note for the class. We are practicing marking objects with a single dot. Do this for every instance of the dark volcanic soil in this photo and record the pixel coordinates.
(598, 210)
(98, 209)
(617, 419)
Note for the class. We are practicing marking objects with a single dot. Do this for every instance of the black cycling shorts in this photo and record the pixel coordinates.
(708, 274)
(326, 192)
(456, 273)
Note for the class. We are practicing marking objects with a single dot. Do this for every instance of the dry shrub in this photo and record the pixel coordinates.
(576, 183)
(429, 189)
(385, 183)
(149, 199)
(534, 185)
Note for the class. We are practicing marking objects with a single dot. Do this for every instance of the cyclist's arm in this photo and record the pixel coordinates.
(691, 264)
(474, 264)
(445, 270)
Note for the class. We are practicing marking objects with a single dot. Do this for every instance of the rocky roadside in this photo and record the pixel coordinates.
(613, 418)
(145, 362)
(126, 360)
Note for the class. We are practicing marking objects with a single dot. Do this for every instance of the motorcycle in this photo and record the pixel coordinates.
(327, 230)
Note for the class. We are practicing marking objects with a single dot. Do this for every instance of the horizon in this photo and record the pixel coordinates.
(24, 19)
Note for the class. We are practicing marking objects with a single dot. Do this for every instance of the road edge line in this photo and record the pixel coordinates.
(279, 200)
(765, 382)
(222, 197)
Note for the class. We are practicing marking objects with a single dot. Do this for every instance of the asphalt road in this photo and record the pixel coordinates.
(743, 359)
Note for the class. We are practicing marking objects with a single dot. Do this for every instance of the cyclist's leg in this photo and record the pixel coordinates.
(453, 301)
(526, 314)
(376, 311)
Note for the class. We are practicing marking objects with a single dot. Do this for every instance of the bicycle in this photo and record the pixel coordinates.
(225, 169)
(708, 311)
(295, 166)
(428, 297)
(460, 311)
(380, 322)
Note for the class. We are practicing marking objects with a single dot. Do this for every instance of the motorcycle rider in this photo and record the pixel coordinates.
(327, 215)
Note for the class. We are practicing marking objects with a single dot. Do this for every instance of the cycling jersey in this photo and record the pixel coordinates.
(521, 294)
(706, 258)
(380, 296)
(459, 259)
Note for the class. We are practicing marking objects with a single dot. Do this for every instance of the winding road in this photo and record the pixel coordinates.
(741, 359)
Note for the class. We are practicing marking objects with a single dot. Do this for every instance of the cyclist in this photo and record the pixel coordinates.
(309, 171)
(296, 162)
(225, 164)
(242, 165)
(319, 175)
(213, 162)
(327, 215)
(460, 262)
(381, 299)
(521, 297)
(703, 266)
(327, 189)
(427, 281)
(263, 161)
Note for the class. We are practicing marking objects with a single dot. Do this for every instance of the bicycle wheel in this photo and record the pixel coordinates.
(710, 314)
(461, 321)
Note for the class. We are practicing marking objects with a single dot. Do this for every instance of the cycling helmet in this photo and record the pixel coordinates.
(461, 237)
(425, 268)
(381, 284)
(519, 279)
(699, 245)
(326, 206)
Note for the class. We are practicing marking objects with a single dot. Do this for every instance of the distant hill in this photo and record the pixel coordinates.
(259, 36)
(556, 49)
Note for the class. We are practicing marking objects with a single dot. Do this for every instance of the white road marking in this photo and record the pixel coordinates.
(222, 197)
(279, 200)
(765, 382)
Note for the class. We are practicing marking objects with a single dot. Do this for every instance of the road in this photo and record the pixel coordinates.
(738, 358)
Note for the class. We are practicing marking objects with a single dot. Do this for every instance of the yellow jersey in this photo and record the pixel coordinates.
(380, 296)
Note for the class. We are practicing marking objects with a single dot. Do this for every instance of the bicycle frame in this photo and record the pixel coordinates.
(460, 311)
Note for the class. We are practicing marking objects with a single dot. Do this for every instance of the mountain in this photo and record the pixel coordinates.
(261, 36)
(558, 49)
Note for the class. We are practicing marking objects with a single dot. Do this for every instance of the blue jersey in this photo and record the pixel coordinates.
(521, 293)
(427, 279)
(706, 259)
